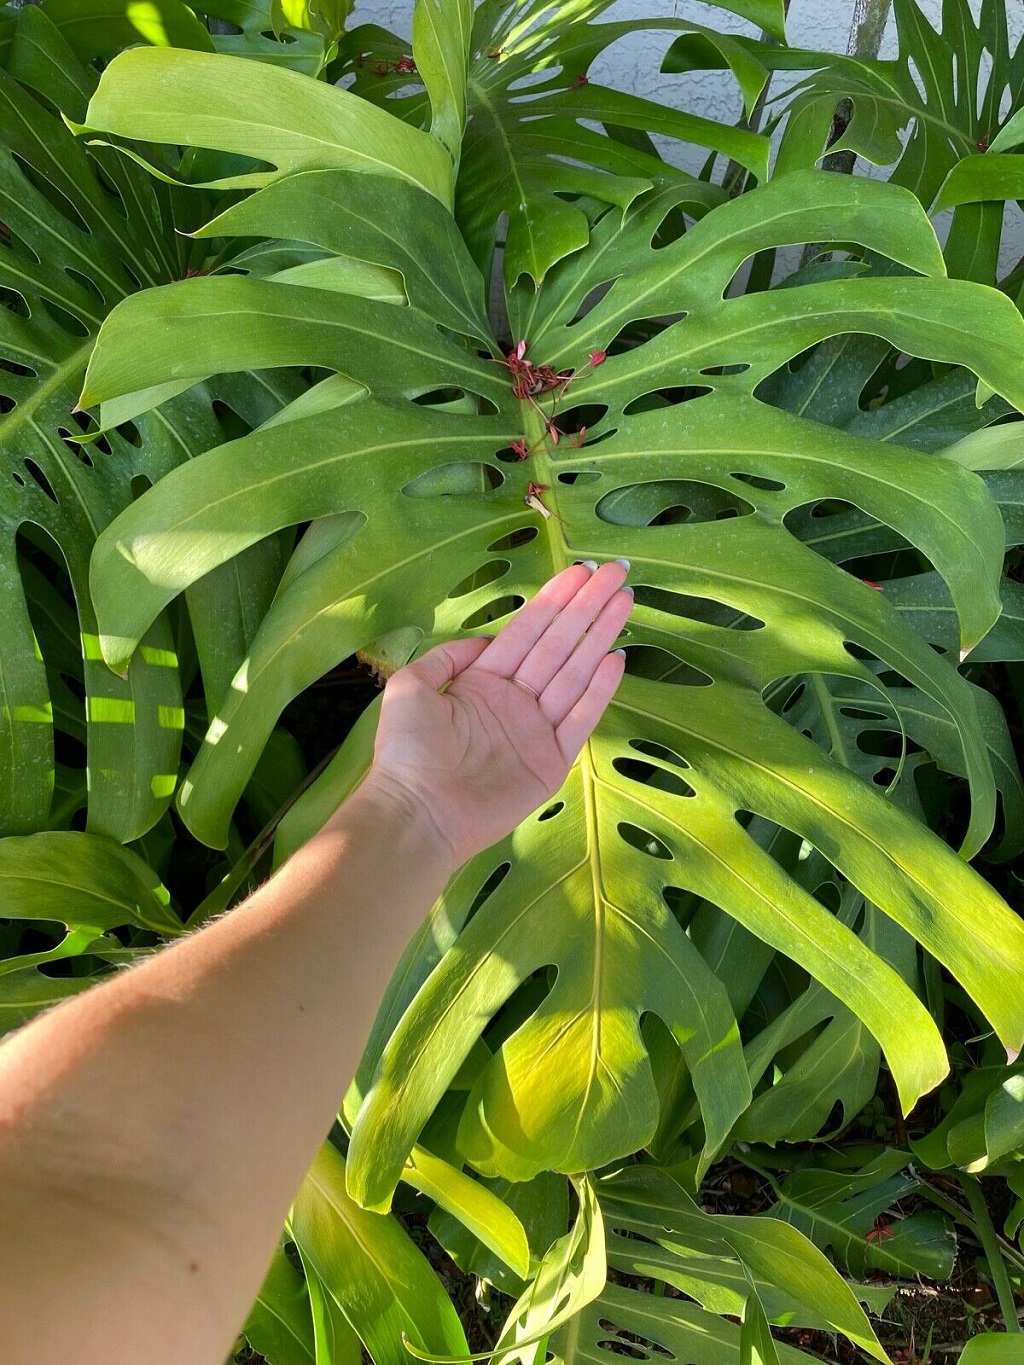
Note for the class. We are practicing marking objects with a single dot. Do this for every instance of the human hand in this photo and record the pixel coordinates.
(474, 760)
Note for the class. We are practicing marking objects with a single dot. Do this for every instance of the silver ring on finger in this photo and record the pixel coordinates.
(526, 686)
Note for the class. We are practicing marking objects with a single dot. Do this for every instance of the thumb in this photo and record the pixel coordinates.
(441, 664)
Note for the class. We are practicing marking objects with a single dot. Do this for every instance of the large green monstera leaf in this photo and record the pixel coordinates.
(439, 500)
(929, 113)
(80, 229)
(531, 150)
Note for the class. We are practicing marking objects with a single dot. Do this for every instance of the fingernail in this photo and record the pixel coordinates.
(590, 564)
(619, 651)
(627, 588)
(625, 564)
(486, 637)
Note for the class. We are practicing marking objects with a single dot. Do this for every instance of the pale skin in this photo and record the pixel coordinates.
(154, 1131)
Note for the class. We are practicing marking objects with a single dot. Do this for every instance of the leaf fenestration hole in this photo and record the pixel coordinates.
(90, 286)
(20, 371)
(644, 841)
(66, 321)
(703, 609)
(669, 502)
(493, 611)
(81, 453)
(14, 303)
(574, 476)
(53, 196)
(658, 665)
(439, 397)
(665, 398)
(459, 479)
(515, 540)
(129, 432)
(551, 811)
(493, 881)
(758, 481)
(794, 697)
(649, 775)
(725, 370)
(659, 751)
(479, 578)
(623, 1348)
(40, 479)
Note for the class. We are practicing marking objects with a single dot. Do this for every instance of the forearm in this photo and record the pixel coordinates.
(165, 1120)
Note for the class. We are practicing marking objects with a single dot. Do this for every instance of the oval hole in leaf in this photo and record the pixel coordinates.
(66, 321)
(577, 426)
(724, 371)
(665, 398)
(857, 713)
(17, 246)
(648, 775)
(490, 885)
(80, 453)
(574, 476)
(493, 611)
(458, 479)
(757, 481)
(623, 1348)
(648, 746)
(50, 193)
(20, 371)
(479, 578)
(669, 502)
(828, 894)
(703, 609)
(671, 228)
(109, 188)
(129, 432)
(643, 840)
(658, 665)
(140, 484)
(41, 480)
(439, 397)
(793, 697)
(7, 404)
(515, 540)
(14, 303)
(555, 809)
(87, 284)
(831, 507)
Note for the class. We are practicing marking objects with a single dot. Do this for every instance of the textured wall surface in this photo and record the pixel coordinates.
(633, 63)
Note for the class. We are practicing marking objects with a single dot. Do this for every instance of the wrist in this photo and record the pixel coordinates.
(382, 803)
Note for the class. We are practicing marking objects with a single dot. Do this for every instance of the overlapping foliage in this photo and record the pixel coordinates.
(736, 908)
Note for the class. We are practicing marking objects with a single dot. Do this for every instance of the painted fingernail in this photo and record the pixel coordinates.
(625, 564)
(619, 651)
(590, 564)
(627, 588)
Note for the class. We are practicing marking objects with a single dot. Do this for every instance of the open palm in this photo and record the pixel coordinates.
(478, 756)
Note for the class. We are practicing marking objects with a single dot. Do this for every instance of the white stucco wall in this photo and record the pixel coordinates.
(633, 63)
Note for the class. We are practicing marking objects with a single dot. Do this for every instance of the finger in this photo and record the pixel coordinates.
(579, 724)
(441, 664)
(575, 676)
(505, 653)
(551, 651)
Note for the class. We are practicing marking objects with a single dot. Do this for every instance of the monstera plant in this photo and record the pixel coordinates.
(354, 368)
